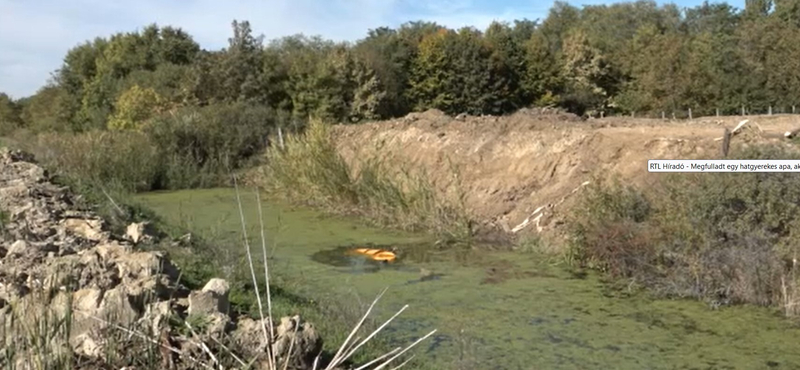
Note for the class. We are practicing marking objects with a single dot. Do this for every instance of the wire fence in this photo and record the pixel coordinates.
(690, 114)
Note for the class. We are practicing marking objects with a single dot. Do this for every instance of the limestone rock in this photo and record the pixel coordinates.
(139, 232)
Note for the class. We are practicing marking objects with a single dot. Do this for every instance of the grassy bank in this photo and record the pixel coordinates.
(309, 170)
(721, 237)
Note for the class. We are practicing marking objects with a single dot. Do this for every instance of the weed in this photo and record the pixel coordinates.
(308, 169)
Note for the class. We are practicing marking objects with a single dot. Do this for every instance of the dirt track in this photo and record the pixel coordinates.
(526, 166)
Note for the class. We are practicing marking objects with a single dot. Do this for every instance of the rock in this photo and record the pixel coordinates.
(18, 248)
(139, 232)
(217, 324)
(156, 316)
(307, 343)
(218, 286)
(134, 266)
(118, 307)
(205, 303)
(212, 299)
(85, 344)
(87, 229)
(86, 301)
(248, 337)
(56, 257)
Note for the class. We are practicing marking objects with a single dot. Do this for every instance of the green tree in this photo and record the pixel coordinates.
(508, 64)
(587, 72)
(47, 110)
(431, 74)
(135, 108)
(10, 114)
(543, 74)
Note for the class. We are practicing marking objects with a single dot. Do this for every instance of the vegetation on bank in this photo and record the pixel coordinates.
(151, 110)
(308, 169)
(726, 238)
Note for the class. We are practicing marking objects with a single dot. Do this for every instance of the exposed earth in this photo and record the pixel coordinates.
(519, 172)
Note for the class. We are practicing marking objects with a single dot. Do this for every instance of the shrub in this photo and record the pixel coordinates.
(201, 145)
(116, 159)
(722, 236)
(187, 148)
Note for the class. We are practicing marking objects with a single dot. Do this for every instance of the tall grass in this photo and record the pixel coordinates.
(191, 147)
(122, 159)
(308, 169)
(723, 237)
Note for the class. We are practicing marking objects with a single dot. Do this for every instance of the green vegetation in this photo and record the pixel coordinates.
(529, 313)
(151, 110)
(634, 56)
(716, 236)
(309, 170)
(209, 111)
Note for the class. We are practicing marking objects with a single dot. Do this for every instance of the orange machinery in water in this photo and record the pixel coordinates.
(380, 255)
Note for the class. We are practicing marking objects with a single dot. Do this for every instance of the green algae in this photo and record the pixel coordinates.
(493, 310)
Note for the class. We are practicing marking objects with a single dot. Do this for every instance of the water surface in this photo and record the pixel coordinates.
(492, 310)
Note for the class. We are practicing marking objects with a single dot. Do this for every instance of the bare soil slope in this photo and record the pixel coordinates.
(521, 171)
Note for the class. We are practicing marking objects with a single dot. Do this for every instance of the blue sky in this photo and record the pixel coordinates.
(36, 34)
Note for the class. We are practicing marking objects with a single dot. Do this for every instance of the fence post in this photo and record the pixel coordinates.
(602, 114)
(770, 110)
(793, 109)
(726, 142)
(633, 114)
(690, 113)
(717, 112)
(663, 116)
(743, 109)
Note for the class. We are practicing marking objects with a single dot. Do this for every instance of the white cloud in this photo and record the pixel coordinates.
(35, 35)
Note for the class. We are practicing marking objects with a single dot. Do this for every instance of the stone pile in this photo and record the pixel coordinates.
(59, 260)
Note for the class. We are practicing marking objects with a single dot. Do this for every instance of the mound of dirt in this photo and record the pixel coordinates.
(520, 172)
(57, 260)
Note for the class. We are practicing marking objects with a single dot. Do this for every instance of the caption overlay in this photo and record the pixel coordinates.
(723, 165)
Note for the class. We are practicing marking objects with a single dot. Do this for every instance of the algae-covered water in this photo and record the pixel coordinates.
(492, 310)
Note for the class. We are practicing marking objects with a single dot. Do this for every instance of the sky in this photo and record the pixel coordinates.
(35, 35)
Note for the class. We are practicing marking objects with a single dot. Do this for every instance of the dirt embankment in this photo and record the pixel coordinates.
(520, 172)
(58, 260)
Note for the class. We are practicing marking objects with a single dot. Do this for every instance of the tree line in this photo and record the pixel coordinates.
(620, 58)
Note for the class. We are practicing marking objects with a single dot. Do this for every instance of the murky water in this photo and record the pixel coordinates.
(493, 310)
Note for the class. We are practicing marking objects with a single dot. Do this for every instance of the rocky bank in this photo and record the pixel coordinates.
(58, 260)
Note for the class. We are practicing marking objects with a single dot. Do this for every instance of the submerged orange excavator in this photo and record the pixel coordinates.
(380, 255)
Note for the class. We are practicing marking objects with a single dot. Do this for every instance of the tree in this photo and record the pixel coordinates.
(135, 108)
(10, 113)
(543, 74)
(47, 110)
(369, 97)
(431, 74)
(587, 72)
(508, 64)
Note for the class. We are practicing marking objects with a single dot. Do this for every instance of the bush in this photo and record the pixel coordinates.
(721, 236)
(123, 160)
(200, 146)
(187, 148)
